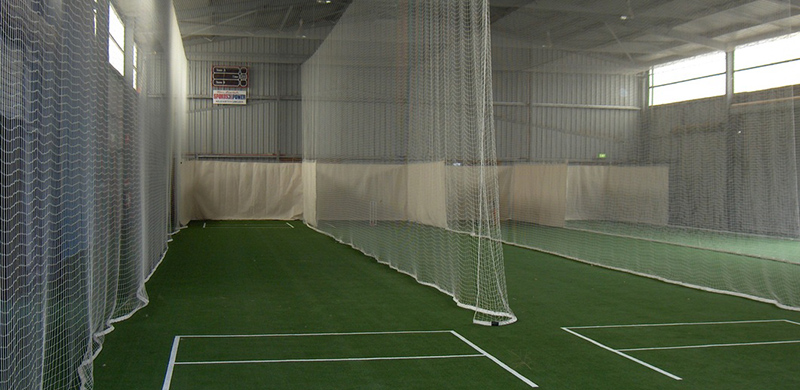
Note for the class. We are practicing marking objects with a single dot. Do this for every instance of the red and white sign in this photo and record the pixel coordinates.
(230, 96)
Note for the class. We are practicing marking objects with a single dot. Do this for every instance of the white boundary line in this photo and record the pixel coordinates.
(626, 356)
(621, 351)
(792, 322)
(364, 359)
(710, 346)
(494, 359)
(290, 225)
(678, 324)
(481, 353)
(173, 355)
(249, 227)
(311, 334)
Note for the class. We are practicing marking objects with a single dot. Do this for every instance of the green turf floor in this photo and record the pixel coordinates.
(745, 244)
(272, 279)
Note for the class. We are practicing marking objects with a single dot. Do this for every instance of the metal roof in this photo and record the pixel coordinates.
(636, 33)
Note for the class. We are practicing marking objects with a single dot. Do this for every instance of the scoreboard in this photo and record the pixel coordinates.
(230, 77)
(229, 84)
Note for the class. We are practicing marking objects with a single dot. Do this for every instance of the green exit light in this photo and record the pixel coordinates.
(601, 155)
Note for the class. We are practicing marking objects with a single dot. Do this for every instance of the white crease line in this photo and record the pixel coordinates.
(626, 356)
(494, 359)
(710, 345)
(290, 225)
(676, 324)
(247, 227)
(173, 355)
(325, 360)
(314, 334)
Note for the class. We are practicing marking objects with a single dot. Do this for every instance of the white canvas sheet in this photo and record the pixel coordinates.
(310, 192)
(539, 193)
(234, 190)
(614, 193)
(361, 192)
(426, 194)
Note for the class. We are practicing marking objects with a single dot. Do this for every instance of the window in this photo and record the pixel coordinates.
(95, 17)
(694, 78)
(116, 40)
(767, 64)
(135, 72)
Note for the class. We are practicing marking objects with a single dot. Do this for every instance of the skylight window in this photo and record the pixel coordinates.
(767, 64)
(135, 66)
(694, 78)
(116, 40)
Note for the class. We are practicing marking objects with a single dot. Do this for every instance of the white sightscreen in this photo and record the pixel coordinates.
(86, 197)
(399, 155)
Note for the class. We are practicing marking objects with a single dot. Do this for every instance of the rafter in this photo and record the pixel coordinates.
(246, 6)
(314, 32)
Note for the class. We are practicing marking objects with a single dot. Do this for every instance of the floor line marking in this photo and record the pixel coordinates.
(290, 225)
(675, 324)
(313, 334)
(792, 322)
(494, 359)
(626, 356)
(173, 355)
(248, 227)
(325, 360)
(710, 345)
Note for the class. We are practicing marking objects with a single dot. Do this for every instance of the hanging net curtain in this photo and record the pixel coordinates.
(399, 155)
(86, 199)
(685, 171)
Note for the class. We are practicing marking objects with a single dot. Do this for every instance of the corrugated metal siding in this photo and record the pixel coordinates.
(270, 124)
(266, 46)
(548, 105)
(552, 106)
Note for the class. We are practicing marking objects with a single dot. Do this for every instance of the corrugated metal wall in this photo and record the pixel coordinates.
(269, 126)
(555, 106)
(549, 105)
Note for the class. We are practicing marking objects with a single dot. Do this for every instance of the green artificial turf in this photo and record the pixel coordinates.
(745, 244)
(261, 278)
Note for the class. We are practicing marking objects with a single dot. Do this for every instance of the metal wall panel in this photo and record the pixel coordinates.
(269, 126)
(549, 105)
(564, 107)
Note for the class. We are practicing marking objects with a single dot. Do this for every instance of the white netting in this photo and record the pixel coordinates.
(686, 171)
(399, 157)
(86, 180)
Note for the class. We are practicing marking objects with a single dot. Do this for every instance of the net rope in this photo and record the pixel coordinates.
(685, 171)
(86, 197)
(398, 143)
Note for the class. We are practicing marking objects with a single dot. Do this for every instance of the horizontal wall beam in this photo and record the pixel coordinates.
(246, 57)
(560, 105)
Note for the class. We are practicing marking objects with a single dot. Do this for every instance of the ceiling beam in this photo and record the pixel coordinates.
(613, 19)
(246, 6)
(674, 34)
(199, 30)
(312, 32)
(795, 4)
(246, 57)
